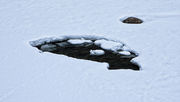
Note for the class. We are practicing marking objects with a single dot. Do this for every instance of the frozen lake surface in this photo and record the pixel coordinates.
(29, 76)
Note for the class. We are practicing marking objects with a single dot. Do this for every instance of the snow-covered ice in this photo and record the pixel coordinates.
(45, 40)
(29, 76)
(109, 45)
(104, 43)
(97, 52)
(79, 41)
(125, 52)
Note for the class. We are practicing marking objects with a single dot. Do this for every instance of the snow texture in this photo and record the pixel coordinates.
(28, 76)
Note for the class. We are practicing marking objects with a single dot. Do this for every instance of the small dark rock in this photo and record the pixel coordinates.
(132, 20)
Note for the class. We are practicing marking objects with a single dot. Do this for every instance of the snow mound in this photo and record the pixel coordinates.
(97, 52)
(79, 41)
(124, 53)
(109, 45)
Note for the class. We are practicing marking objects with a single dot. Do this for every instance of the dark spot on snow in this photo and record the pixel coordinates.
(83, 51)
(132, 20)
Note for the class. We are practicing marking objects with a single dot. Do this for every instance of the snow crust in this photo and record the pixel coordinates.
(45, 40)
(124, 53)
(109, 45)
(97, 52)
(79, 41)
(73, 39)
(104, 43)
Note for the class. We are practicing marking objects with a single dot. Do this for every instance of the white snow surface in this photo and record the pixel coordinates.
(97, 52)
(125, 52)
(74, 39)
(45, 40)
(29, 76)
(79, 41)
(104, 43)
(109, 45)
